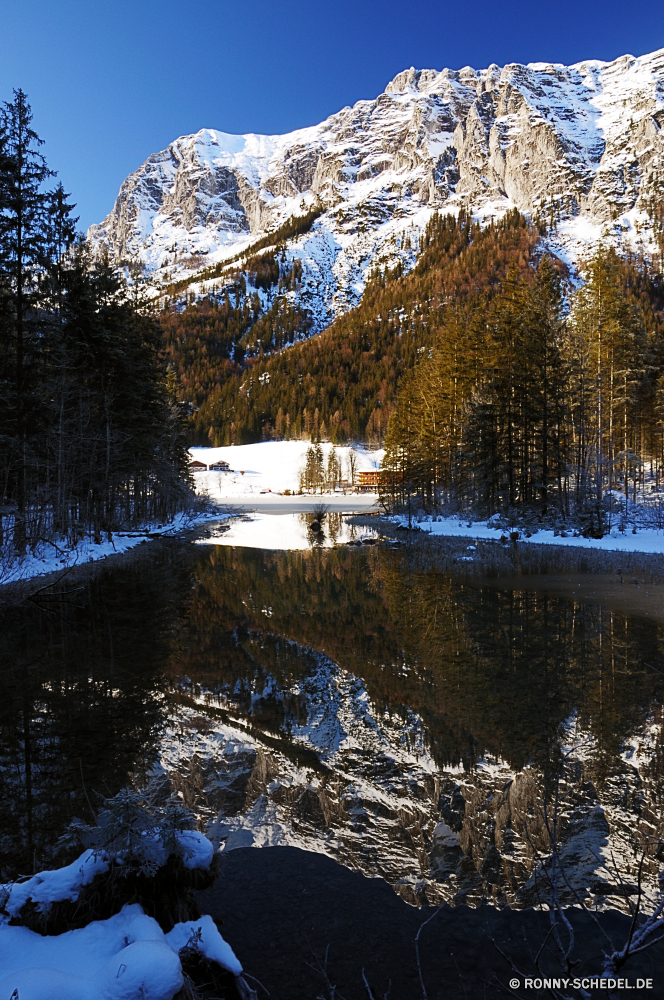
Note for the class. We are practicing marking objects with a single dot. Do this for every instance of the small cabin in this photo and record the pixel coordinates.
(219, 466)
(197, 466)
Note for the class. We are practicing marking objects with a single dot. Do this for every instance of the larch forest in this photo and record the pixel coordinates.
(496, 379)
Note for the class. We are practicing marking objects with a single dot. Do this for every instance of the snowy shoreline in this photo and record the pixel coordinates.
(265, 477)
(54, 557)
(266, 470)
(646, 540)
(125, 955)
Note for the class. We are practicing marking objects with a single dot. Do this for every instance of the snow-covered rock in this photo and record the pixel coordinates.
(123, 958)
(581, 144)
(57, 885)
(120, 958)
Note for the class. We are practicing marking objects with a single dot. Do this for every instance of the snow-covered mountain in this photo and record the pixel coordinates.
(582, 146)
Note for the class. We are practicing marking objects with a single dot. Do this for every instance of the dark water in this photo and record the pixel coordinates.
(90, 672)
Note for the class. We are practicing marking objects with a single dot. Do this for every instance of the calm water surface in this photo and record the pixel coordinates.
(398, 719)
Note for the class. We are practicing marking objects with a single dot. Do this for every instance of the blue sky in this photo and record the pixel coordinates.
(111, 82)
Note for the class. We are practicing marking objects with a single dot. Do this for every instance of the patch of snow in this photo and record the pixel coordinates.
(122, 958)
(54, 886)
(646, 539)
(61, 884)
(56, 556)
(208, 941)
(197, 851)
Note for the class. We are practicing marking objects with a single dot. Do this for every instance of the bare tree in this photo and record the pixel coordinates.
(351, 465)
(560, 944)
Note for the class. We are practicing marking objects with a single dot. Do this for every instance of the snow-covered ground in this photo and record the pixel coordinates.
(268, 466)
(49, 557)
(125, 957)
(261, 474)
(645, 539)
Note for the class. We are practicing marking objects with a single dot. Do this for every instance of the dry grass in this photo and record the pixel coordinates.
(492, 559)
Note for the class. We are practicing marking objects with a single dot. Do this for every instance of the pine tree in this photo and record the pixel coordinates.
(546, 387)
(333, 470)
(615, 374)
(312, 477)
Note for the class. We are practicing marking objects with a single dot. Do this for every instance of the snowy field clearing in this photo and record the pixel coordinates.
(261, 475)
(268, 466)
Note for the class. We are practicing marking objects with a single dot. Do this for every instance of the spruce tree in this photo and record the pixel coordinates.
(90, 432)
(25, 254)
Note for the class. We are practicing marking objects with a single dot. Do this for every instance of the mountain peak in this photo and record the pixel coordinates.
(580, 147)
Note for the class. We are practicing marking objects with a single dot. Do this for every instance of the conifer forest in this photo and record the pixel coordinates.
(91, 437)
(496, 379)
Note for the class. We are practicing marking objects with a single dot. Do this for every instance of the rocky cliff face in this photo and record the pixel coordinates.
(580, 146)
(346, 780)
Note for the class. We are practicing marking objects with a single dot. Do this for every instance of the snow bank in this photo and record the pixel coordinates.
(66, 883)
(208, 941)
(126, 957)
(196, 849)
(645, 540)
(57, 885)
(49, 558)
(122, 958)
(268, 465)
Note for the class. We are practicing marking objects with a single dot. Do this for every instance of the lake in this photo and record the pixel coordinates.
(338, 698)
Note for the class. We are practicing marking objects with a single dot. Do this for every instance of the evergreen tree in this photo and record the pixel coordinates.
(615, 357)
(312, 477)
(333, 470)
(91, 434)
(25, 254)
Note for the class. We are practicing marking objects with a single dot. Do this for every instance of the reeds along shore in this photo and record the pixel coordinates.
(497, 559)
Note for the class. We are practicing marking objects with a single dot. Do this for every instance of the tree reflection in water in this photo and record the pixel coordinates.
(80, 699)
(489, 672)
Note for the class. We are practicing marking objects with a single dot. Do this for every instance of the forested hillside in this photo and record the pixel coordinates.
(342, 384)
(540, 403)
(91, 436)
(495, 381)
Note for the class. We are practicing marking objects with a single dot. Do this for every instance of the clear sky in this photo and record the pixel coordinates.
(111, 81)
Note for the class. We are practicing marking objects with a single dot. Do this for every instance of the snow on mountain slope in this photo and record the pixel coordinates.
(582, 146)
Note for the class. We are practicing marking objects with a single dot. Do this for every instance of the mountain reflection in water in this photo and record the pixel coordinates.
(339, 700)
